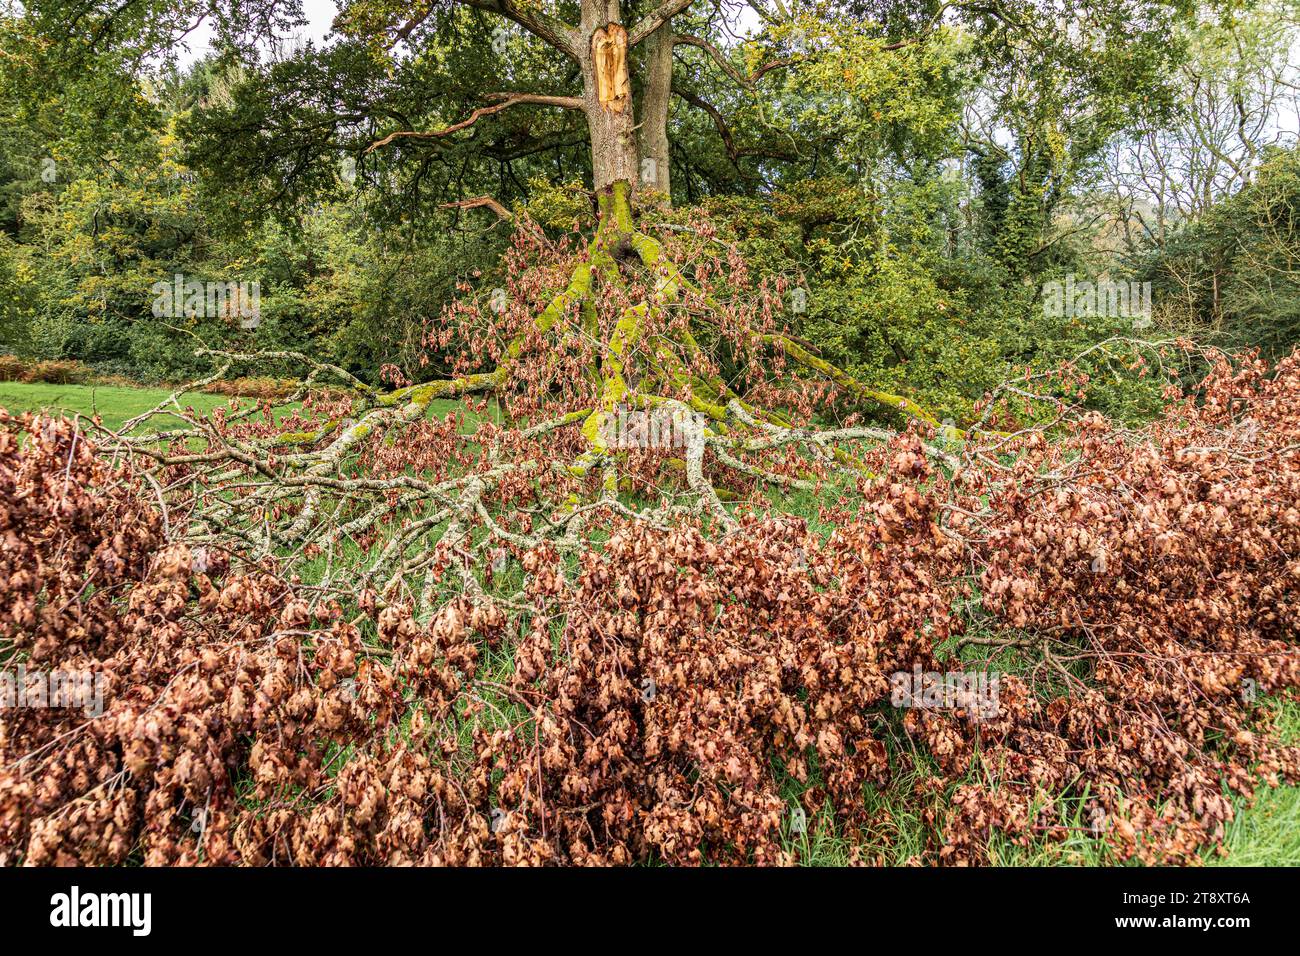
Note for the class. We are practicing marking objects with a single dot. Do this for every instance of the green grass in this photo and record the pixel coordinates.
(115, 404)
(1267, 833)
(1263, 832)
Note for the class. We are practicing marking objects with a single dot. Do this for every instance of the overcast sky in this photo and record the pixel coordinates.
(320, 13)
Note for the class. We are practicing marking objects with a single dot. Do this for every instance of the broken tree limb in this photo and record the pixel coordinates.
(507, 100)
(481, 202)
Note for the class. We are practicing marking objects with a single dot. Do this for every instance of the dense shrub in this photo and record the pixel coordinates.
(252, 387)
(1234, 274)
(70, 372)
(52, 372)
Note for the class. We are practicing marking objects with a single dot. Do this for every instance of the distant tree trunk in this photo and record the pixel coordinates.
(655, 96)
(607, 97)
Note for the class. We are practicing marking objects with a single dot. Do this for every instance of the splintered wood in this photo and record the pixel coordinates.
(609, 51)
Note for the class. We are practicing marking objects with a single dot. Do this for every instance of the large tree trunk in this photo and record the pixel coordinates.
(655, 96)
(607, 97)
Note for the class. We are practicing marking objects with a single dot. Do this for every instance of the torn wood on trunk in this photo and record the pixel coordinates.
(609, 51)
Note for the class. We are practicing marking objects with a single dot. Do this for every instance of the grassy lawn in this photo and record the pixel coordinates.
(115, 404)
(1268, 833)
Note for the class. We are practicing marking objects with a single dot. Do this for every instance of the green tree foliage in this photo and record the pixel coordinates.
(1233, 276)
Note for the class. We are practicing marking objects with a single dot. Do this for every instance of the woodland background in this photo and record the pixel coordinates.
(922, 182)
